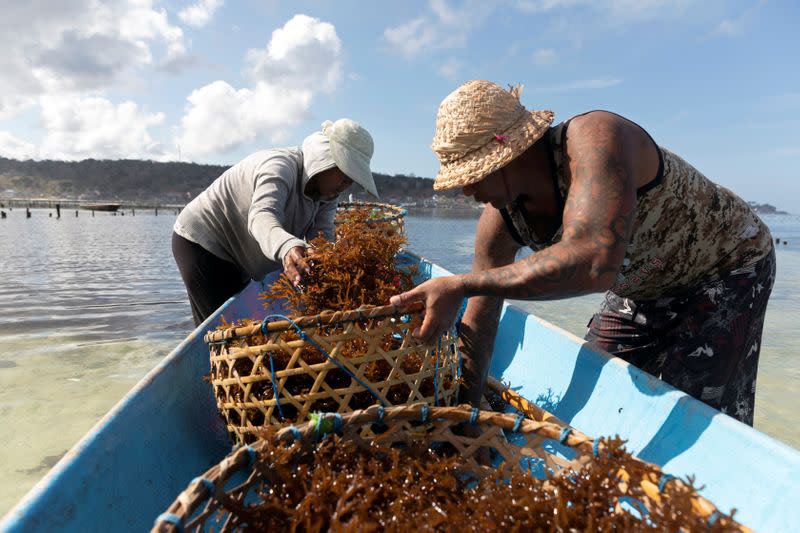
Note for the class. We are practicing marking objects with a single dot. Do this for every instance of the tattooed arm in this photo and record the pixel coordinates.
(597, 220)
(494, 247)
(604, 153)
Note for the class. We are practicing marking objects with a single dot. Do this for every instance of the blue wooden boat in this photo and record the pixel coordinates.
(166, 431)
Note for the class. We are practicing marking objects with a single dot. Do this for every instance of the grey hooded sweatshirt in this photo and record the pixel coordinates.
(256, 211)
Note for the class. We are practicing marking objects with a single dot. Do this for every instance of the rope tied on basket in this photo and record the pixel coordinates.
(518, 422)
(274, 385)
(436, 374)
(665, 478)
(326, 423)
(321, 350)
(207, 483)
(173, 519)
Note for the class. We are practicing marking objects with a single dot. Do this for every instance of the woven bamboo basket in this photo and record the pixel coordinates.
(378, 217)
(515, 439)
(276, 373)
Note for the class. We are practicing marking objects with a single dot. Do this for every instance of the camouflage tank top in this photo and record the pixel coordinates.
(687, 230)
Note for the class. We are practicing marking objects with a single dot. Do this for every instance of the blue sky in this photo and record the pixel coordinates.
(716, 81)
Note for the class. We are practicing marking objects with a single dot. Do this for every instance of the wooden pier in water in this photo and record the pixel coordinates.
(8, 203)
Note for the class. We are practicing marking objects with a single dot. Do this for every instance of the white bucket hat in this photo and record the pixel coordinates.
(352, 148)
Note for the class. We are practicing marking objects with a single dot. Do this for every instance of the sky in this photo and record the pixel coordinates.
(211, 81)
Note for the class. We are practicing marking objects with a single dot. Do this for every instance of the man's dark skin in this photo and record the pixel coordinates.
(325, 186)
(606, 159)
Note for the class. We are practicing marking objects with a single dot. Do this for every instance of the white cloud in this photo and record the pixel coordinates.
(200, 13)
(544, 56)
(412, 37)
(80, 127)
(11, 106)
(736, 25)
(221, 118)
(450, 68)
(14, 148)
(302, 58)
(305, 54)
(579, 85)
(445, 27)
(614, 11)
(50, 46)
(539, 6)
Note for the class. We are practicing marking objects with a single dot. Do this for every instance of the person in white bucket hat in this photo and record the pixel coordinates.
(259, 215)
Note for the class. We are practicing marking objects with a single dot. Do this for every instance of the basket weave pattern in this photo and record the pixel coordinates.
(373, 359)
(377, 216)
(517, 441)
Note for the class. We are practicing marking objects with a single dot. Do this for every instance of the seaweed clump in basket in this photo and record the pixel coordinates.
(357, 271)
(342, 485)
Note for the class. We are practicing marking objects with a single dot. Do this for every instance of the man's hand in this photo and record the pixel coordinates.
(442, 298)
(295, 265)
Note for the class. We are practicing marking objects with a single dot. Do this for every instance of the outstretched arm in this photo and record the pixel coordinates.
(597, 221)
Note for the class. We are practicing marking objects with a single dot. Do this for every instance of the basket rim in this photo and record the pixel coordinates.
(325, 318)
(244, 456)
(395, 212)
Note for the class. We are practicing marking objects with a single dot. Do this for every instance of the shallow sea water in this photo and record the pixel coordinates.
(88, 305)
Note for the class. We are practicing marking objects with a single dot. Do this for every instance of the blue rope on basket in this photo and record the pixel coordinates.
(172, 519)
(436, 375)
(321, 350)
(274, 385)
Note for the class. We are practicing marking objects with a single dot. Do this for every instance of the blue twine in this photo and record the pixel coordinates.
(275, 386)
(663, 482)
(518, 422)
(172, 519)
(562, 437)
(424, 413)
(473, 417)
(460, 363)
(713, 517)
(252, 456)
(436, 375)
(295, 433)
(321, 350)
(207, 483)
(596, 447)
(381, 412)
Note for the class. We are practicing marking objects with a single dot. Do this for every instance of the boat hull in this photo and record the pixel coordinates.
(166, 431)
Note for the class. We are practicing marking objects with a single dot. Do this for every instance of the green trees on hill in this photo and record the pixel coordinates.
(132, 179)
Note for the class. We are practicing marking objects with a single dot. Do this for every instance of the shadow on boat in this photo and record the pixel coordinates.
(679, 431)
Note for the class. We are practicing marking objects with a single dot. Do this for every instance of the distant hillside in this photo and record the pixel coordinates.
(766, 209)
(136, 180)
(132, 180)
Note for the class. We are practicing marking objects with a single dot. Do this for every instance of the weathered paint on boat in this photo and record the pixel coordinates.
(166, 431)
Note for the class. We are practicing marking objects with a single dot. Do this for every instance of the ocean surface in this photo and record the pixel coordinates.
(88, 305)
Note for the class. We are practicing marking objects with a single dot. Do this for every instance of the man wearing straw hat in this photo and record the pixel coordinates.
(258, 216)
(686, 266)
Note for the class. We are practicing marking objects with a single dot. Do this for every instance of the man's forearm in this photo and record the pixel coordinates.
(559, 271)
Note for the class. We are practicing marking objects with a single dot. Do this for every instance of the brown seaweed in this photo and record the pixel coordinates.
(346, 485)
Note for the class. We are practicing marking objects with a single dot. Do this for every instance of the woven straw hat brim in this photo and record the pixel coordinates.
(478, 164)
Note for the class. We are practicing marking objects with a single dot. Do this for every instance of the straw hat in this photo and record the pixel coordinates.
(352, 148)
(480, 128)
